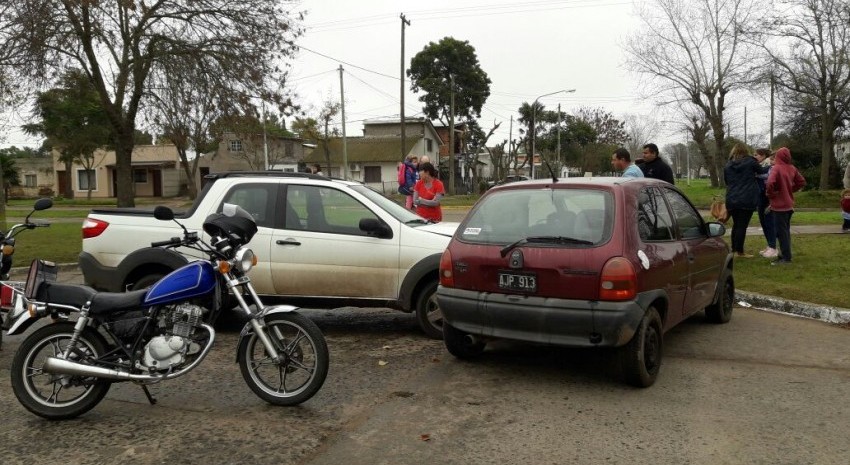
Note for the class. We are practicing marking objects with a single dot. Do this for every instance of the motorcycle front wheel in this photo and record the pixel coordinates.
(54, 396)
(303, 360)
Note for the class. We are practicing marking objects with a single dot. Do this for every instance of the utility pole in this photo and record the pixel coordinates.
(745, 125)
(770, 142)
(265, 140)
(345, 173)
(452, 136)
(404, 22)
(688, 154)
(559, 133)
(510, 144)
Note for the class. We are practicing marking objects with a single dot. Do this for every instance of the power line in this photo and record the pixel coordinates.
(348, 64)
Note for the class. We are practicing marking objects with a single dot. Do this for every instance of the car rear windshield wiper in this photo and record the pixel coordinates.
(543, 240)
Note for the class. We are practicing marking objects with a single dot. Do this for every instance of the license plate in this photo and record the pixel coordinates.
(523, 282)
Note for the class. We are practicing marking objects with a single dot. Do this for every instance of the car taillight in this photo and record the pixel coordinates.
(447, 277)
(93, 228)
(619, 281)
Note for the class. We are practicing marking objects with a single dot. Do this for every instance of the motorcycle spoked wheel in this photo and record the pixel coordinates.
(53, 396)
(304, 360)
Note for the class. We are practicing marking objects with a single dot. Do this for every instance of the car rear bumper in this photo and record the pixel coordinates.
(571, 323)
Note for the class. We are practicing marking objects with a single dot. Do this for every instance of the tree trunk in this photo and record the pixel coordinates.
(124, 169)
(69, 180)
(827, 143)
(846, 179)
(191, 187)
(88, 186)
(718, 159)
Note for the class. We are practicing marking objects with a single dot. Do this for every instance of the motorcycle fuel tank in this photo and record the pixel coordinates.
(192, 280)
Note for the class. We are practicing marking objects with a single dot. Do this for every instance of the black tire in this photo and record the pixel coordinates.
(428, 313)
(641, 357)
(146, 281)
(721, 311)
(459, 344)
(40, 392)
(303, 349)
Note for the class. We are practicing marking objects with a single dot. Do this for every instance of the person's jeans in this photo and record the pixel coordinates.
(768, 226)
(783, 233)
(740, 221)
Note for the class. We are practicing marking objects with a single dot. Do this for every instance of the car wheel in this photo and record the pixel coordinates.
(721, 311)
(461, 344)
(428, 313)
(641, 357)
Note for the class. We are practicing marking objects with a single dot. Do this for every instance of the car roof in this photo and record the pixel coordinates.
(579, 182)
(277, 174)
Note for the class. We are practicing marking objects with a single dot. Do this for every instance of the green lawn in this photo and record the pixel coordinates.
(702, 194)
(60, 243)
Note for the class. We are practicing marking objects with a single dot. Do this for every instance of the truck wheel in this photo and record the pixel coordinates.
(428, 313)
(146, 281)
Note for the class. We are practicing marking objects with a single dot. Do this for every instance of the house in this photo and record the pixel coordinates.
(373, 158)
(240, 153)
(36, 176)
(156, 173)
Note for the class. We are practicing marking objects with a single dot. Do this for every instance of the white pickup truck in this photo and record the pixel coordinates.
(321, 243)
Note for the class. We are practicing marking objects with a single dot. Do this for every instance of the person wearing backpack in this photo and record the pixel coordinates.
(407, 172)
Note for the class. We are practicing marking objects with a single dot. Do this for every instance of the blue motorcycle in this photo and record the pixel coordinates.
(64, 369)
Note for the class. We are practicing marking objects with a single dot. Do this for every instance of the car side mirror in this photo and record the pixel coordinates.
(716, 229)
(374, 227)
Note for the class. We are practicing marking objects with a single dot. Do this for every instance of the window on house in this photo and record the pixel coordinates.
(140, 176)
(83, 177)
(372, 174)
(429, 145)
(30, 180)
(236, 145)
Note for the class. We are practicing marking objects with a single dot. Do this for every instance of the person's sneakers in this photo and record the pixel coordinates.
(780, 262)
(762, 251)
(743, 255)
(770, 253)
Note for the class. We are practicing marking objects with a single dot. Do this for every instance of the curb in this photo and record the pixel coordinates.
(835, 315)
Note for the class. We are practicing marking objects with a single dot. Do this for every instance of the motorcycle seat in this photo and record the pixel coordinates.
(65, 294)
(108, 302)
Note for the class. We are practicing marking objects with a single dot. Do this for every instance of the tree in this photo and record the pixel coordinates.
(328, 112)
(815, 70)
(119, 45)
(609, 130)
(696, 48)
(254, 136)
(74, 123)
(640, 130)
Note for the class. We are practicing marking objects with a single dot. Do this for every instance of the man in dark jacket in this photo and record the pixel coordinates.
(653, 166)
(742, 194)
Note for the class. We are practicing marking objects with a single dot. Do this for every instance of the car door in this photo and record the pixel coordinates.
(260, 200)
(705, 257)
(318, 248)
(666, 265)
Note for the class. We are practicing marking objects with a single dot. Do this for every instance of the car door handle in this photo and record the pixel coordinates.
(287, 242)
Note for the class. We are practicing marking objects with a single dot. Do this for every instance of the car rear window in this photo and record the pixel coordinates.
(508, 216)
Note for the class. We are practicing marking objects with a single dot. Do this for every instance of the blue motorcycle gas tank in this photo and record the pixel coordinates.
(192, 280)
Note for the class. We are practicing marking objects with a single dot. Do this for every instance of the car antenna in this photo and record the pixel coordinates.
(546, 162)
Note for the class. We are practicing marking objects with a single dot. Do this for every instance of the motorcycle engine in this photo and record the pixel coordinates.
(170, 350)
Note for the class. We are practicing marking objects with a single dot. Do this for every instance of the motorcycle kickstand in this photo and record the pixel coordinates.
(150, 397)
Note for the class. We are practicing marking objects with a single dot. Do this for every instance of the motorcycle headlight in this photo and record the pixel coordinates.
(245, 259)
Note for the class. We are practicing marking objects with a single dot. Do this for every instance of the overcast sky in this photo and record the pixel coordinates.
(527, 49)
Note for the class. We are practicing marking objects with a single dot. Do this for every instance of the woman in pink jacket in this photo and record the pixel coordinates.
(783, 181)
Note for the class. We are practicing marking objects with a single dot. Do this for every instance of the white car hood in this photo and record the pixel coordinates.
(444, 229)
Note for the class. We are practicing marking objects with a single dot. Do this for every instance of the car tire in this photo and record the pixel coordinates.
(428, 313)
(641, 358)
(460, 344)
(721, 311)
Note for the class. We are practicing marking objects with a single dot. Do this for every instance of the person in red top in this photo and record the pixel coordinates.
(427, 193)
(783, 181)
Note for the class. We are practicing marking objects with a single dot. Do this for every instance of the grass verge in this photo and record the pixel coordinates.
(818, 262)
(60, 243)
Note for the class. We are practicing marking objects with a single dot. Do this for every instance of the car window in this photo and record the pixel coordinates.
(256, 199)
(511, 215)
(688, 221)
(324, 209)
(397, 211)
(654, 220)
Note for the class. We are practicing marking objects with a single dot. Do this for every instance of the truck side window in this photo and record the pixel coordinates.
(323, 209)
(256, 199)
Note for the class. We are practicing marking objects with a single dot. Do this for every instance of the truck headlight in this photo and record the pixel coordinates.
(245, 259)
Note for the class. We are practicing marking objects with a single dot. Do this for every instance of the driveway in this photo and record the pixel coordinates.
(766, 388)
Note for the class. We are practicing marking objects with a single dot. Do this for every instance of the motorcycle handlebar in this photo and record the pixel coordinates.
(172, 241)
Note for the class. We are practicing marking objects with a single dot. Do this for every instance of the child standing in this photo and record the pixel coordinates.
(845, 210)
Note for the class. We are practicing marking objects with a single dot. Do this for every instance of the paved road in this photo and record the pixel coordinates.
(766, 388)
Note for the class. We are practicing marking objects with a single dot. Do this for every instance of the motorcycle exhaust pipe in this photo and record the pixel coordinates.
(67, 367)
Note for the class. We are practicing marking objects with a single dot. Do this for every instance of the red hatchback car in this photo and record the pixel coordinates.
(583, 262)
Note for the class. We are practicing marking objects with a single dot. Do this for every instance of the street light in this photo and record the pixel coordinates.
(534, 123)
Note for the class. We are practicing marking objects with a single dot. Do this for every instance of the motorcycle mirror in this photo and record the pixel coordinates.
(163, 213)
(43, 204)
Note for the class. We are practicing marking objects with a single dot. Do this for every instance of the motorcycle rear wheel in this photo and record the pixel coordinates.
(303, 364)
(53, 396)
